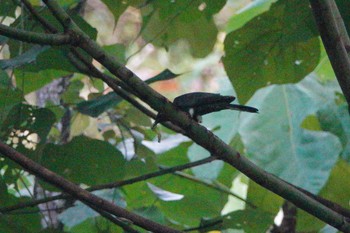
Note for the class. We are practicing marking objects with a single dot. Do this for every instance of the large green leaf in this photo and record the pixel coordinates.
(85, 160)
(278, 46)
(168, 22)
(335, 119)
(275, 140)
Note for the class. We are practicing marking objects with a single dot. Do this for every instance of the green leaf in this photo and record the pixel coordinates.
(250, 220)
(275, 140)
(336, 190)
(100, 104)
(27, 57)
(169, 22)
(247, 13)
(116, 50)
(8, 98)
(27, 118)
(117, 7)
(164, 75)
(83, 160)
(335, 119)
(32, 81)
(263, 199)
(8, 8)
(72, 94)
(278, 46)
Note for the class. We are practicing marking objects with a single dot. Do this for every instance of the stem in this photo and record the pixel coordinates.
(34, 37)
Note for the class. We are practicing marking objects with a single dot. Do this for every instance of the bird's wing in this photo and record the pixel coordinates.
(196, 99)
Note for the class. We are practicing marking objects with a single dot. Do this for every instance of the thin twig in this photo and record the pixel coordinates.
(110, 185)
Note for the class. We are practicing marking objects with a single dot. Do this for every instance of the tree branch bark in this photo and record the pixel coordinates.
(79, 193)
(34, 37)
(335, 40)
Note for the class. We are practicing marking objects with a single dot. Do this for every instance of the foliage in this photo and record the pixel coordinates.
(272, 59)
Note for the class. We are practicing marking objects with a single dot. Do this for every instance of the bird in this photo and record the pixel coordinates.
(197, 104)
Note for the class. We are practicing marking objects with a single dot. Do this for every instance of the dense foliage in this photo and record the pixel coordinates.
(267, 53)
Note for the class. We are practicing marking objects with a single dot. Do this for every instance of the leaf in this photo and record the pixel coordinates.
(8, 8)
(164, 75)
(335, 119)
(32, 81)
(263, 199)
(83, 160)
(116, 50)
(100, 104)
(117, 7)
(275, 140)
(168, 22)
(8, 98)
(31, 119)
(80, 212)
(72, 94)
(278, 46)
(247, 13)
(249, 220)
(25, 58)
(336, 190)
(15, 223)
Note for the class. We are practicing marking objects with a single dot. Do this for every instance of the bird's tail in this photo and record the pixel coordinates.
(243, 108)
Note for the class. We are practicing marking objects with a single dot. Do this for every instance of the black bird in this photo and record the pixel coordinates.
(197, 104)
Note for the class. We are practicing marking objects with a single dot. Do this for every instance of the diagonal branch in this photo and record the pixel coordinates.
(335, 40)
(79, 193)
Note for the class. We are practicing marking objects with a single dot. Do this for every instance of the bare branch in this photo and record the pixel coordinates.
(335, 40)
(34, 37)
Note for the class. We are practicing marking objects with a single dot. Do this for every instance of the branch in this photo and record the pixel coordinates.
(335, 40)
(34, 37)
(111, 185)
(79, 193)
(198, 133)
(117, 86)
